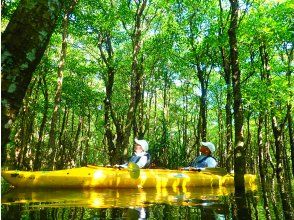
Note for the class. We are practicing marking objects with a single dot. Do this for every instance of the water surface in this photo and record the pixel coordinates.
(164, 203)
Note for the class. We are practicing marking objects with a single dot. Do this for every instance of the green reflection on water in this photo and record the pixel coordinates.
(163, 203)
(105, 198)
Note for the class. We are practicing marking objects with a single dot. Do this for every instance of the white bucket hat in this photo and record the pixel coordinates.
(143, 144)
(209, 145)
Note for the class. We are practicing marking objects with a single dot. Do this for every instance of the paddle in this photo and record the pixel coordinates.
(133, 168)
(217, 170)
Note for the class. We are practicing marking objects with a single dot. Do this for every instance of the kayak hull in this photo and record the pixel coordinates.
(101, 177)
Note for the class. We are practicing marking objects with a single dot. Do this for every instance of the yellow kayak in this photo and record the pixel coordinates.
(102, 177)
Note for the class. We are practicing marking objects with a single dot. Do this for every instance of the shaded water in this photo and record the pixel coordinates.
(166, 203)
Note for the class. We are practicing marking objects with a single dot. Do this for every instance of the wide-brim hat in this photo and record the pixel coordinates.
(209, 145)
(143, 144)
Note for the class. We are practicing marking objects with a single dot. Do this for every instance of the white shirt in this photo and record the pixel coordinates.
(141, 163)
(211, 163)
(143, 160)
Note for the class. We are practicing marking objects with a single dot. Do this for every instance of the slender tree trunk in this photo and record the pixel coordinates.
(87, 145)
(57, 99)
(76, 140)
(261, 167)
(203, 102)
(155, 112)
(291, 136)
(185, 118)
(229, 127)
(239, 152)
(61, 154)
(140, 121)
(203, 79)
(150, 100)
(164, 139)
(277, 131)
(286, 164)
(37, 162)
(64, 120)
(220, 140)
(267, 153)
(227, 76)
(117, 148)
(260, 148)
(76, 147)
(289, 105)
(137, 75)
(20, 57)
(265, 78)
(26, 115)
(109, 81)
(248, 146)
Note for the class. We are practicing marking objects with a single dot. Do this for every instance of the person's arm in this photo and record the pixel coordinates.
(125, 165)
(211, 162)
(142, 162)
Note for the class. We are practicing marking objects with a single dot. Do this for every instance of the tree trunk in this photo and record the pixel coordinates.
(26, 117)
(37, 162)
(280, 172)
(61, 154)
(34, 20)
(109, 81)
(57, 99)
(260, 148)
(248, 146)
(117, 144)
(164, 140)
(185, 140)
(202, 76)
(139, 122)
(291, 135)
(227, 76)
(64, 120)
(261, 166)
(76, 147)
(239, 152)
(289, 105)
(137, 75)
(87, 145)
(277, 131)
(221, 151)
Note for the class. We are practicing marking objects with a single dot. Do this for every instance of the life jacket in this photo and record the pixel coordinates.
(199, 162)
(136, 158)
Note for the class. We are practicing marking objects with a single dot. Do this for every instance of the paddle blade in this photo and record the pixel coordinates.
(134, 170)
(217, 171)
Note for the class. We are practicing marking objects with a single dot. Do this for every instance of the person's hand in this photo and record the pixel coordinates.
(184, 168)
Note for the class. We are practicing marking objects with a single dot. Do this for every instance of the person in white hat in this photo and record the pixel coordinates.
(141, 156)
(205, 159)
